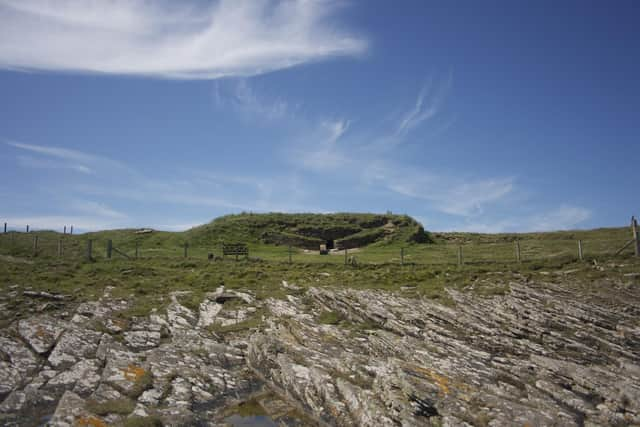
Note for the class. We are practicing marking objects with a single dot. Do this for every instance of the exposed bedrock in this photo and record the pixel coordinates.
(539, 354)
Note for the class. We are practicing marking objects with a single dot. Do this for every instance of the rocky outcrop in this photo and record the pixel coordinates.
(537, 354)
(98, 368)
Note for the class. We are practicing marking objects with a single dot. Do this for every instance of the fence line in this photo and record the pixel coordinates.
(49, 244)
(36, 245)
(29, 229)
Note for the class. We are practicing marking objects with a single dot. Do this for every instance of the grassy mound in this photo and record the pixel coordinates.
(340, 230)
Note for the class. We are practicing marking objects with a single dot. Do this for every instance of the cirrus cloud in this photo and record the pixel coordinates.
(180, 40)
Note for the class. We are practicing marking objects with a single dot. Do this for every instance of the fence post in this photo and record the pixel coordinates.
(136, 249)
(59, 247)
(634, 231)
(289, 254)
(109, 248)
(518, 259)
(35, 245)
(89, 247)
(401, 256)
(345, 256)
(5, 227)
(186, 246)
(580, 254)
(71, 232)
(459, 255)
(65, 230)
(27, 228)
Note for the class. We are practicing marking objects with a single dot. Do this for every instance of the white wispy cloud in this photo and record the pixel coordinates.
(242, 98)
(563, 217)
(315, 147)
(61, 153)
(180, 40)
(335, 147)
(46, 163)
(97, 209)
(159, 191)
(52, 157)
(195, 188)
(370, 157)
(428, 104)
(336, 129)
(470, 197)
(326, 145)
(127, 183)
(318, 150)
(454, 196)
(83, 215)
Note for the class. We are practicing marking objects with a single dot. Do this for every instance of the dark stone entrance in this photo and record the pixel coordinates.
(330, 244)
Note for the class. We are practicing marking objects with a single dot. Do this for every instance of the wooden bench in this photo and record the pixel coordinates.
(235, 249)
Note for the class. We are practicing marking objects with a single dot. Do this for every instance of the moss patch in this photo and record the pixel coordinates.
(329, 318)
(116, 406)
(136, 421)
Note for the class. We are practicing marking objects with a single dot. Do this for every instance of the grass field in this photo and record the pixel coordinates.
(476, 248)
(161, 267)
(148, 281)
(428, 269)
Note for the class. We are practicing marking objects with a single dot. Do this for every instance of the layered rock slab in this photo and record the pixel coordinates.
(539, 355)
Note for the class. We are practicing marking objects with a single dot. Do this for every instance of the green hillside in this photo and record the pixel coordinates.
(308, 231)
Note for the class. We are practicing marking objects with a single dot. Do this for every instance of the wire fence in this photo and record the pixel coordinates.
(52, 245)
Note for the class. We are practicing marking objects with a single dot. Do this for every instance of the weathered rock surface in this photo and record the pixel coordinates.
(17, 363)
(168, 365)
(40, 332)
(75, 344)
(540, 354)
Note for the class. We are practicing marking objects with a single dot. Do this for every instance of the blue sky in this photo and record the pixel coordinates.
(475, 116)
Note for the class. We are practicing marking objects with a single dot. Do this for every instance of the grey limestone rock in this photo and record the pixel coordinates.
(40, 332)
(538, 354)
